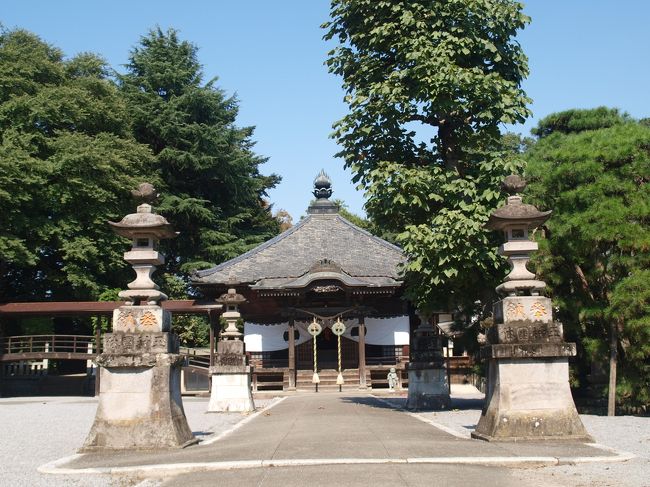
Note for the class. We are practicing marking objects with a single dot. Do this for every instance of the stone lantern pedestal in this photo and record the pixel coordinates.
(140, 404)
(528, 396)
(231, 374)
(428, 381)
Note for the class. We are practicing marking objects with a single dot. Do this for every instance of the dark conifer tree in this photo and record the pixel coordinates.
(212, 189)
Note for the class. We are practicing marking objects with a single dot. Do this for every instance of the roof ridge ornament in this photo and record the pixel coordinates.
(322, 185)
(322, 191)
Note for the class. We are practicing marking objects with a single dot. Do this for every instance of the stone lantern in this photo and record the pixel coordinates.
(428, 381)
(140, 402)
(231, 374)
(528, 396)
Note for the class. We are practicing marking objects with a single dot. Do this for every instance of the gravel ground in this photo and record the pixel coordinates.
(37, 430)
(625, 433)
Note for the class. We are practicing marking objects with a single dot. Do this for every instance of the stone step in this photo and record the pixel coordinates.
(327, 372)
(327, 378)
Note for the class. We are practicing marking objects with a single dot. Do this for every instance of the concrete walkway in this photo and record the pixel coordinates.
(327, 438)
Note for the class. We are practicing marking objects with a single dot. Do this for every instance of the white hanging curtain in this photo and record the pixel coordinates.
(379, 331)
(382, 331)
(269, 338)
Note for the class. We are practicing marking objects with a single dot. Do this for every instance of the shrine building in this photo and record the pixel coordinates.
(322, 269)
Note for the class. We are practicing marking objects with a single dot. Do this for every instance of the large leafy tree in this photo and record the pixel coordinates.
(67, 161)
(592, 167)
(211, 189)
(428, 85)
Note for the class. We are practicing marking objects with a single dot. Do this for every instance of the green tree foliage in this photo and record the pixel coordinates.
(67, 160)
(428, 84)
(592, 168)
(192, 330)
(212, 189)
(363, 222)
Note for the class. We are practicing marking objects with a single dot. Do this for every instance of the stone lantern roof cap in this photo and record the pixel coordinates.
(144, 222)
(515, 212)
(231, 297)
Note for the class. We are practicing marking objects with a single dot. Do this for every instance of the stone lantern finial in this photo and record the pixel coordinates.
(513, 184)
(145, 192)
(517, 219)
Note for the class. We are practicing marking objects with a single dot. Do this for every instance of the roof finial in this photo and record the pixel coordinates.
(322, 185)
(322, 192)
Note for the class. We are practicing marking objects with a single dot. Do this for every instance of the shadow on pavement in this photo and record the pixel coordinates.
(391, 403)
(399, 403)
(467, 403)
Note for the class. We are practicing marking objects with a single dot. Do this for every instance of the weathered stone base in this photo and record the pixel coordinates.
(231, 393)
(140, 408)
(529, 399)
(428, 389)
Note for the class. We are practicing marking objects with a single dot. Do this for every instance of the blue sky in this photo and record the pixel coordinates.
(582, 53)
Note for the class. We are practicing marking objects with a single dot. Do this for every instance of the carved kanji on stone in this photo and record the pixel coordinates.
(126, 321)
(148, 320)
(515, 310)
(538, 310)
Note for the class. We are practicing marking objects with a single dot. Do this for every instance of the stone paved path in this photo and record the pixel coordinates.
(332, 428)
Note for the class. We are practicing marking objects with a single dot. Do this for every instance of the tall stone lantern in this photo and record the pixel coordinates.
(528, 395)
(140, 404)
(231, 374)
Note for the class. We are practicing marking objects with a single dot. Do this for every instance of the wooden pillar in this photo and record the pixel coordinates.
(98, 349)
(214, 323)
(2, 364)
(292, 353)
(362, 352)
(214, 320)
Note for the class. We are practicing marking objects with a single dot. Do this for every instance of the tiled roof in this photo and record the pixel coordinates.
(364, 260)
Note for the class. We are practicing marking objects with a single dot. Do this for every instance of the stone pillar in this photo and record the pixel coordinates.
(231, 374)
(428, 382)
(140, 404)
(292, 354)
(362, 353)
(528, 395)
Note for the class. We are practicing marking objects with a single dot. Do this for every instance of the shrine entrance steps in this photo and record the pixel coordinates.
(328, 379)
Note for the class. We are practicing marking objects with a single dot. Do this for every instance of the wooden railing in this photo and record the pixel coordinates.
(74, 347)
(196, 357)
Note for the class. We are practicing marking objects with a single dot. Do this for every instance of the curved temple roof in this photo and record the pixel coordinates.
(322, 246)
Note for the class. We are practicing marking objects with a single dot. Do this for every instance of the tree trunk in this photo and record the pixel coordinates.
(613, 356)
(448, 146)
